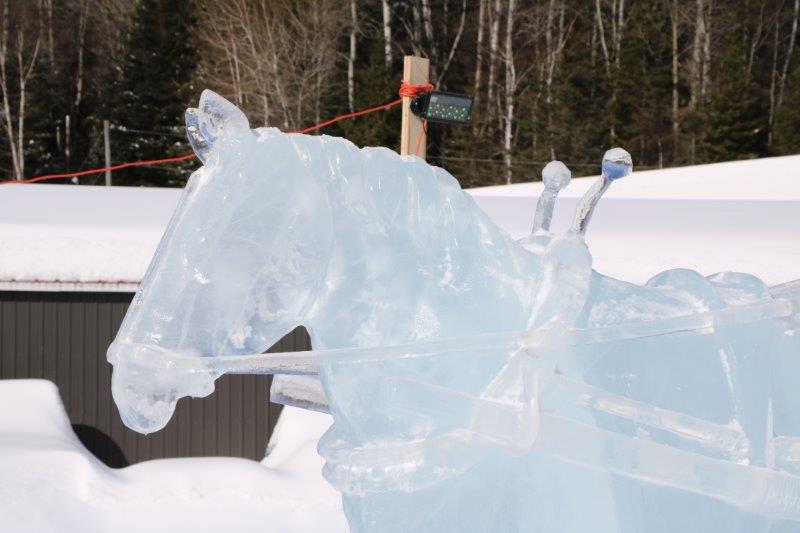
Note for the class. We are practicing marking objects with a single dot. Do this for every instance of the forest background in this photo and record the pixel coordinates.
(675, 82)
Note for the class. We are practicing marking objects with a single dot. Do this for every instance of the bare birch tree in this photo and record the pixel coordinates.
(773, 78)
(510, 90)
(675, 22)
(430, 40)
(699, 67)
(351, 60)
(616, 23)
(494, 43)
(477, 85)
(22, 57)
(454, 45)
(787, 59)
(387, 33)
(82, 21)
(285, 53)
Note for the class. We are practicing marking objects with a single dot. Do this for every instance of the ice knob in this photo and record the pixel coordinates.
(556, 176)
(616, 164)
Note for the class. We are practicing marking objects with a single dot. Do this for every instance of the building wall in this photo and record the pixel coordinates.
(63, 337)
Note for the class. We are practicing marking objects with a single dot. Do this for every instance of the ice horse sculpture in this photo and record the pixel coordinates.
(477, 383)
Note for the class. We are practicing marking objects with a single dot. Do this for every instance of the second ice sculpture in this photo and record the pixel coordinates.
(477, 383)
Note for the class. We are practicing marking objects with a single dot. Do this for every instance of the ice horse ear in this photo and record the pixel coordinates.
(215, 119)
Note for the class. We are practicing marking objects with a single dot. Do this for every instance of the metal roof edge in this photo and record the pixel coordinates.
(69, 286)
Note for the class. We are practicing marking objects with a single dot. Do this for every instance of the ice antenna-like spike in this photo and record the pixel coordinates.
(556, 176)
(215, 118)
(616, 164)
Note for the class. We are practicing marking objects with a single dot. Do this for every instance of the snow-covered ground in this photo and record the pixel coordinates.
(740, 216)
(49, 482)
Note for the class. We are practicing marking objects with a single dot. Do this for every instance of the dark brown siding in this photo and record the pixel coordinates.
(63, 337)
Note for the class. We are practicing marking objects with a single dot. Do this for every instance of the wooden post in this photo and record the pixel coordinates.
(107, 143)
(412, 134)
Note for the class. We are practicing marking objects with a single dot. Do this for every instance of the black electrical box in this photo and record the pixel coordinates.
(439, 106)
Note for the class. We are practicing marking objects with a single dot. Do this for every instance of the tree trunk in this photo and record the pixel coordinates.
(8, 124)
(696, 85)
(696, 71)
(479, 56)
(21, 119)
(756, 41)
(456, 40)
(788, 58)
(706, 83)
(601, 32)
(619, 29)
(387, 33)
(50, 49)
(554, 46)
(433, 49)
(510, 89)
(676, 126)
(494, 42)
(416, 34)
(16, 139)
(351, 61)
(81, 45)
(237, 75)
(773, 80)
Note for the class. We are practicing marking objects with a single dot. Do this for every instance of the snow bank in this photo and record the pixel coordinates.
(49, 482)
(770, 178)
(738, 216)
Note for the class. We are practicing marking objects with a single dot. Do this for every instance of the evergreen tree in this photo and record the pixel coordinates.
(787, 122)
(736, 117)
(154, 90)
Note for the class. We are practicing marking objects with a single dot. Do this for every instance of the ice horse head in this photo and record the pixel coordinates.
(363, 247)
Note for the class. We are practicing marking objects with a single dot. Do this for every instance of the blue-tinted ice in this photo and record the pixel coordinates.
(477, 383)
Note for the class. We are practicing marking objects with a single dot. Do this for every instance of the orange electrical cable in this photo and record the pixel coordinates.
(406, 91)
(410, 91)
(422, 135)
(100, 170)
(349, 115)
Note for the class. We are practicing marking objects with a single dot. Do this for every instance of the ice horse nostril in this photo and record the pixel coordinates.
(147, 383)
(142, 406)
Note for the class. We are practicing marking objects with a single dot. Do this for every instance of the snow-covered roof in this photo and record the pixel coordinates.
(728, 216)
(70, 237)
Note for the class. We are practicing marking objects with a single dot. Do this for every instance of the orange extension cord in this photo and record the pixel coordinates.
(406, 91)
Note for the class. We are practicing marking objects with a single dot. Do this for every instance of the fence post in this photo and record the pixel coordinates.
(412, 133)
